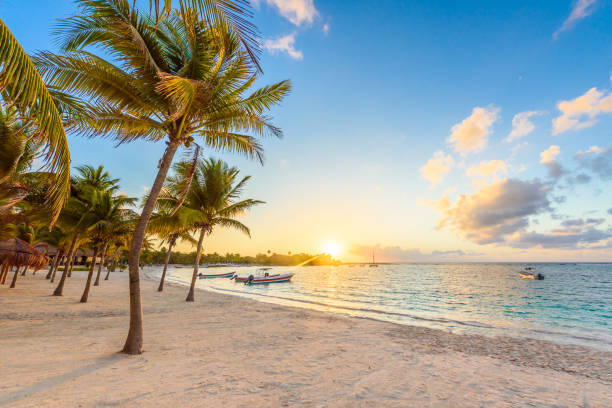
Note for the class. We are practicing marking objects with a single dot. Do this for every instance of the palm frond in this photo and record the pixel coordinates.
(22, 85)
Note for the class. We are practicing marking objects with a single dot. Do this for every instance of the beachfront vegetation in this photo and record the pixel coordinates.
(274, 259)
(180, 75)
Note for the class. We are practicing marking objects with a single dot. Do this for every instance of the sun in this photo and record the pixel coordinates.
(331, 248)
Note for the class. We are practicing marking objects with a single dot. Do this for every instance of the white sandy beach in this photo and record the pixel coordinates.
(233, 352)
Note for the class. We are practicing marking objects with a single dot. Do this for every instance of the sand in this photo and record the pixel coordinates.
(226, 351)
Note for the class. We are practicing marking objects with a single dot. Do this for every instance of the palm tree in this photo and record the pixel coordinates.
(96, 178)
(107, 215)
(120, 245)
(23, 89)
(118, 222)
(75, 217)
(59, 239)
(170, 227)
(210, 202)
(176, 79)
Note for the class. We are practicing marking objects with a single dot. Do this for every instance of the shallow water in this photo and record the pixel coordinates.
(572, 305)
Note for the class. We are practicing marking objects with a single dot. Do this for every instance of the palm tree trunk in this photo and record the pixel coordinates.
(163, 277)
(24, 271)
(112, 268)
(59, 291)
(25, 268)
(196, 267)
(6, 274)
(52, 266)
(62, 259)
(71, 262)
(90, 275)
(5, 269)
(133, 343)
(97, 282)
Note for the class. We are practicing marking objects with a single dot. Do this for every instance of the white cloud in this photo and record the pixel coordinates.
(581, 9)
(296, 11)
(493, 212)
(472, 133)
(284, 44)
(549, 155)
(582, 112)
(521, 125)
(436, 168)
(486, 172)
(325, 28)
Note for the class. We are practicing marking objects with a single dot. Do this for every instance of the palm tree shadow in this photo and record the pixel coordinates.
(44, 385)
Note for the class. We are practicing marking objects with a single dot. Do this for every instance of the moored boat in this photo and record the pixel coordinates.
(263, 276)
(528, 274)
(216, 275)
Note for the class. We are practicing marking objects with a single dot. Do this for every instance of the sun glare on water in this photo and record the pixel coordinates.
(331, 248)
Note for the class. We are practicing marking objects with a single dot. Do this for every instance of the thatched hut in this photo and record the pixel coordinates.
(19, 254)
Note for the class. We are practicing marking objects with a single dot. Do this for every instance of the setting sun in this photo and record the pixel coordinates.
(331, 248)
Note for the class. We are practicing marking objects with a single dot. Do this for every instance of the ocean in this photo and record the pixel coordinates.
(572, 305)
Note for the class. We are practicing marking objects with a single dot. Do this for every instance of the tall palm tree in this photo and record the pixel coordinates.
(212, 201)
(177, 79)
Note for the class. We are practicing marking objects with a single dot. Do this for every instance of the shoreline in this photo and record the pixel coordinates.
(470, 343)
(242, 352)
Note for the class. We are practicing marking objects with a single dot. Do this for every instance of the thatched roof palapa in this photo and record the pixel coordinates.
(15, 252)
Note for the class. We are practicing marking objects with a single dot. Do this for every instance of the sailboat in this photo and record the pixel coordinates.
(373, 264)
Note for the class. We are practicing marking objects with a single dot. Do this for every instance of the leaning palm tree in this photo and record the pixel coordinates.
(175, 80)
(211, 202)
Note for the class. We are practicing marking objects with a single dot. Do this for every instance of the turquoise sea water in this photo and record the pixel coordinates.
(573, 304)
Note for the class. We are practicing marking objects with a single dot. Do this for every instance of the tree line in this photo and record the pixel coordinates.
(273, 259)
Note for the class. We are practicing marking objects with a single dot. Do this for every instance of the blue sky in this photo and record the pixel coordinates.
(378, 89)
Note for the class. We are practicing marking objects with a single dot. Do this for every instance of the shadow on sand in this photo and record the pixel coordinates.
(44, 385)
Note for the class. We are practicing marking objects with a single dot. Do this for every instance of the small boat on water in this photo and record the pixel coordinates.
(216, 275)
(528, 274)
(373, 264)
(263, 276)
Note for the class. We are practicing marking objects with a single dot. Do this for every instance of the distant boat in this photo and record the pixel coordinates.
(527, 274)
(216, 275)
(373, 264)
